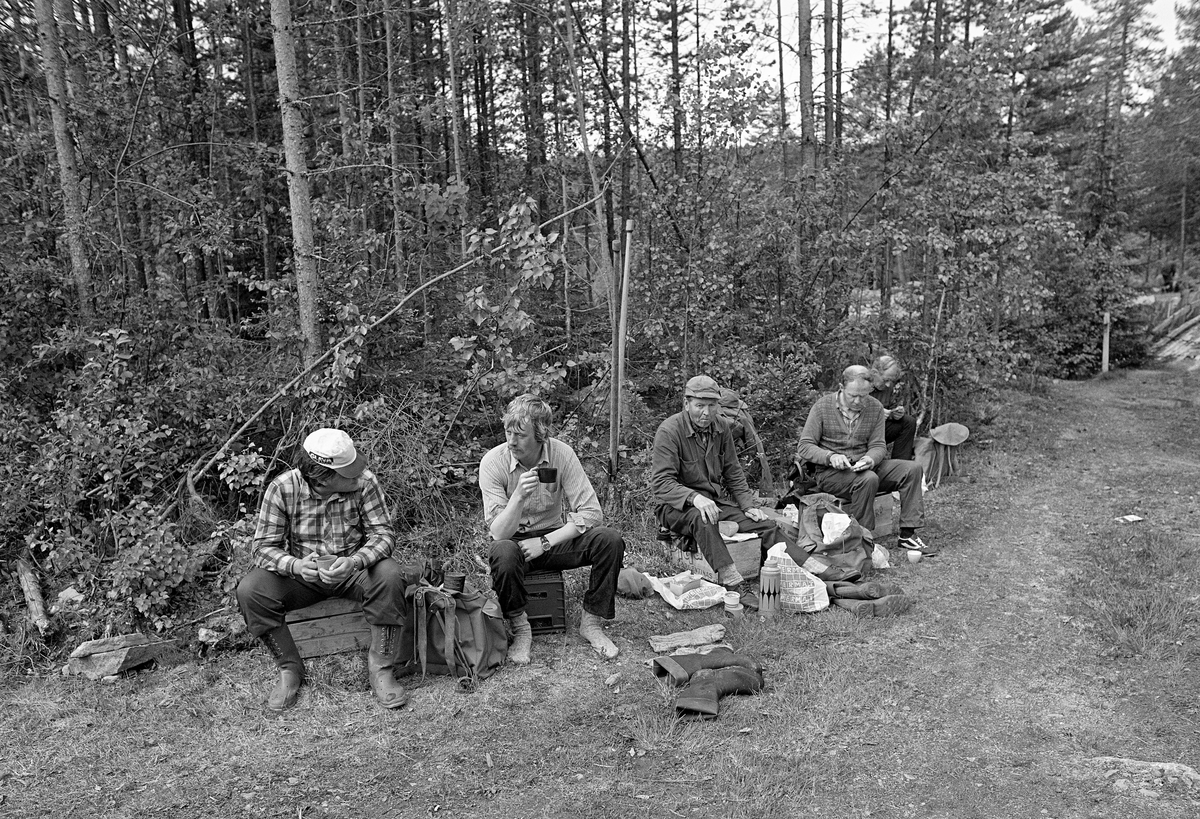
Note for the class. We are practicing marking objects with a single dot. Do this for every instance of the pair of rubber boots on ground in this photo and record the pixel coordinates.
(871, 598)
(381, 667)
(705, 678)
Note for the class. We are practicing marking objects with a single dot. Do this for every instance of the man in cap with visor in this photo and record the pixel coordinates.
(698, 482)
(323, 531)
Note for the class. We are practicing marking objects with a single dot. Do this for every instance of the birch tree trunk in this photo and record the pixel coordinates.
(304, 260)
(68, 168)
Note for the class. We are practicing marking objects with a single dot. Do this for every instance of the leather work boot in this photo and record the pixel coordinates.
(698, 699)
(381, 666)
(291, 668)
(522, 644)
(681, 667)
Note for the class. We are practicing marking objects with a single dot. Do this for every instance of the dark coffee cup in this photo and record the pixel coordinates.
(547, 474)
(454, 581)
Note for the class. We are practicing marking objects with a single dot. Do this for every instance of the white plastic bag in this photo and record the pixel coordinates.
(880, 559)
(833, 526)
(702, 595)
(799, 590)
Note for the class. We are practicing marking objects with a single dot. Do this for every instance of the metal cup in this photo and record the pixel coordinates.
(547, 474)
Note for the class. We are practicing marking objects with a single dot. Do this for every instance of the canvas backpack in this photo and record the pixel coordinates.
(457, 633)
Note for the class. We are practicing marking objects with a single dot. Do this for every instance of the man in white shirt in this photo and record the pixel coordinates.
(543, 515)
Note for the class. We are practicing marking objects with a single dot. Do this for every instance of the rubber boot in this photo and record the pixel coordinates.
(381, 666)
(522, 643)
(888, 606)
(681, 667)
(865, 590)
(291, 668)
(698, 699)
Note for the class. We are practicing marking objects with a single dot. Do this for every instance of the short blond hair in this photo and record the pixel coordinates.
(530, 410)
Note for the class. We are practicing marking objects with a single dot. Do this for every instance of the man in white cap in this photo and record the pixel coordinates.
(324, 530)
(698, 481)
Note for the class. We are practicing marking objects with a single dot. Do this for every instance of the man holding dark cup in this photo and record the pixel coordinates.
(543, 515)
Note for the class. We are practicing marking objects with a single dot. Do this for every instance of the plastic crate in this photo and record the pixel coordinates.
(547, 603)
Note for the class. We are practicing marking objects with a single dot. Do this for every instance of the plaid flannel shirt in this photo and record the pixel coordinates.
(294, 522)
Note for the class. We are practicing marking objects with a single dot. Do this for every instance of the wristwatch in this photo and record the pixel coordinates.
(546, 545)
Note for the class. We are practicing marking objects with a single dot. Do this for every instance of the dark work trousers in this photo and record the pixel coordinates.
(265, 597)
(600, 547)
(901, 433)
(858, 490)
(689, 523)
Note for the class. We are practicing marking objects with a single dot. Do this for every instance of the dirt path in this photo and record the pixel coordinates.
(1018, 697)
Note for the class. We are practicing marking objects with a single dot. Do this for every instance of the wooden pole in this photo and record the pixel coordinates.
(614, 445)
(1104, 349)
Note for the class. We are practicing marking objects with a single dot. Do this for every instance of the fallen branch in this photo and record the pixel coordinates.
(33, 595)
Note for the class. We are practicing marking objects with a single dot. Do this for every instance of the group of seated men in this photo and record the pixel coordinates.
(324, 529)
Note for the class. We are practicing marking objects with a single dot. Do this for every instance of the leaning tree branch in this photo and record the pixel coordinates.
(189, 479)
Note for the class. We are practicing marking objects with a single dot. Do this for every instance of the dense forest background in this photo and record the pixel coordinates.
(226, 222)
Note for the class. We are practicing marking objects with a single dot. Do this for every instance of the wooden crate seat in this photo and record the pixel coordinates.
(332, 626)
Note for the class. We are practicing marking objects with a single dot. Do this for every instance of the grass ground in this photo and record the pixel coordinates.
(1051, 651)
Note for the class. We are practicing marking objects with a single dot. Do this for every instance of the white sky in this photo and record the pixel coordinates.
(862, 30)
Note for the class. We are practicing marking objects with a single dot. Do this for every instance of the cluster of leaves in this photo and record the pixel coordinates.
(115, 440)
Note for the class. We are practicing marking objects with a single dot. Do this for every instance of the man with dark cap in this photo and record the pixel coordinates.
(746, 438)
(698, 482)
(324, 530)
(844, 438)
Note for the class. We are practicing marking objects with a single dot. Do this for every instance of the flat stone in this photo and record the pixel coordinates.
(109, 644)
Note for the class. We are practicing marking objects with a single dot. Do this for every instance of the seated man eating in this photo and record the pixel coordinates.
(844, 438)
(698, 482)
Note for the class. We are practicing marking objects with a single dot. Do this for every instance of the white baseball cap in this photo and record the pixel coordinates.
(333, 448)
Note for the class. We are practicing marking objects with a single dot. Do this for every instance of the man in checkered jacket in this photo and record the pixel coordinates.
(324, 530)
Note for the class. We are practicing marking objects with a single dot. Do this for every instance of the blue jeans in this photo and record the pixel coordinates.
(600, 547)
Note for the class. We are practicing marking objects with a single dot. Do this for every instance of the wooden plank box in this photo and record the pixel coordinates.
(332, 626)
(886, 520)
(746, 554)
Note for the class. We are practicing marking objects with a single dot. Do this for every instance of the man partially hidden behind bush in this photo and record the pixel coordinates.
(546, 522)
(324, 530)
(698, 481)
(889, 389)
